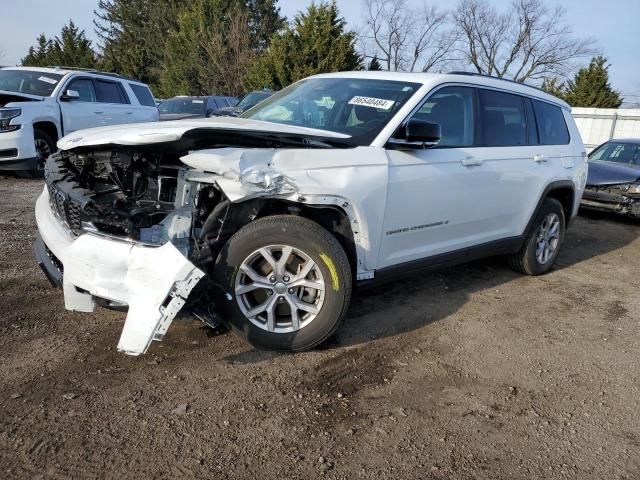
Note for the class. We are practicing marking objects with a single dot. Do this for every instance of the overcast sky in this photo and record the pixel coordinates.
(614, 24)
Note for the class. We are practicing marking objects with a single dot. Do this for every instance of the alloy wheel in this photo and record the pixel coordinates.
(279, 288)
(548, 238)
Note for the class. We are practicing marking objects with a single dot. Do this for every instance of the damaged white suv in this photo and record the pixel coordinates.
(267, 221)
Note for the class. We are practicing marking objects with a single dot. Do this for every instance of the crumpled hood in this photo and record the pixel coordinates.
(160, 132)
(611, 173)
(13, 97)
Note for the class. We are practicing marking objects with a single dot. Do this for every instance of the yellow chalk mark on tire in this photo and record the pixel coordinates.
(335, 282)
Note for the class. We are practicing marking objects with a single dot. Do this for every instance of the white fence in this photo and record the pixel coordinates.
(597, 125)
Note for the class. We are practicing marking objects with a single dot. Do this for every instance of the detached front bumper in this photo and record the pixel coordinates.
(153, 282)
(610, 199)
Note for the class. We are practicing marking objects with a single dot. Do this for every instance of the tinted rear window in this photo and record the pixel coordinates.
(552, 128)
(502, 119)
(143, 94)
(110, 92)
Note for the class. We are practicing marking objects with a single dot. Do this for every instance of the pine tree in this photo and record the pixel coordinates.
(374, 65)
(38, 55)
(208, 51)
(553, 87)
(134, 34)
(591, 88)
(316, 42)
(71, 48)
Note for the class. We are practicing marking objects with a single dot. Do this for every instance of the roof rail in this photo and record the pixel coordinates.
(86, 70)
(484, 75)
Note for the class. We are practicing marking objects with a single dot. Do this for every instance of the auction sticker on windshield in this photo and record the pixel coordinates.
(51, 81)
(379, 103)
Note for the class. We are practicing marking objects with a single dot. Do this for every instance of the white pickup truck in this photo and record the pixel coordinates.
(38, 106)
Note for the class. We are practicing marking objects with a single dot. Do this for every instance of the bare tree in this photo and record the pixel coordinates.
(227, 55)
(404, 38)
(527, 42)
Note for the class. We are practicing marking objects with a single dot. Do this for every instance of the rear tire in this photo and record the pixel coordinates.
(253, 277)
(542, 245)
(45, 146)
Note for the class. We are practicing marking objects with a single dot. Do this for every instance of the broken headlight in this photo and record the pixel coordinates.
(634, 189)
(6, 115)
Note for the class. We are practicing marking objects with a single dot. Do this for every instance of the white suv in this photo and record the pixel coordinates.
(270, 219)
(40, 105)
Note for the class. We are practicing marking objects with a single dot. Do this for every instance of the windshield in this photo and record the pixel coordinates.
(618, 152)
(28, 81)
(357, 107)
(252, 99)
(194, 106)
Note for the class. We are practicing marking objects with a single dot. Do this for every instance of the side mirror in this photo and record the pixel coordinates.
(70, 95)
(416, 134)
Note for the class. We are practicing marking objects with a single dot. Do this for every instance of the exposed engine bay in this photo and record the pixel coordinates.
(116, 192)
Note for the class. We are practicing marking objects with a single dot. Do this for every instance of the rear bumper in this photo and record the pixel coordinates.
(154, 282)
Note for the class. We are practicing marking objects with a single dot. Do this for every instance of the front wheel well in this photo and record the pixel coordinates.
(332, 218)
(47, 127)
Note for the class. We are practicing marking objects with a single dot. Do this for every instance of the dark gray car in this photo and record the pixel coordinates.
(178, 108)
(247, 101)
(613, 182)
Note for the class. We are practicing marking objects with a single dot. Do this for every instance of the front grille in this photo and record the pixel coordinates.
(55, 260)
(66, 209)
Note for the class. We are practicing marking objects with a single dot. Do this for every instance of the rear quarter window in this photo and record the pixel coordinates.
(143, 94)
(552, 127)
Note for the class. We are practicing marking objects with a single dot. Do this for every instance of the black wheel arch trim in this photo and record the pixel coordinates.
(548, 189)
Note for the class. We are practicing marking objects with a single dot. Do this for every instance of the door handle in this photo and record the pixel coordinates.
(471, 162)
(540, 158)
(98, 113)
(128, 113)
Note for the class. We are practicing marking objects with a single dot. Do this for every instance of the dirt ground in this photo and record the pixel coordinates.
(470, 373)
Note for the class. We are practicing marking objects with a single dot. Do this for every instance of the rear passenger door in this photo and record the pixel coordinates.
(113, 103)
(508, 151)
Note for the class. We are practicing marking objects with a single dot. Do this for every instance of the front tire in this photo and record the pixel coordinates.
(45, 146)
(542, 245)
(286, 283)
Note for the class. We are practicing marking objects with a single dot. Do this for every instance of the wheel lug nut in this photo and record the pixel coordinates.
(269, 292)
(286, 278)
(272, 279)
(292, 290)
(281, 299)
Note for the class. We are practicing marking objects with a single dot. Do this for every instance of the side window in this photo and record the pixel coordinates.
(110, 92)
(502, 119)
(143, 95)
(452, 109)
(84, 86)
(552, 128)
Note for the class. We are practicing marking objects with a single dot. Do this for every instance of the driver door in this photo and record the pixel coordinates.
(439, 200)
(83, 112)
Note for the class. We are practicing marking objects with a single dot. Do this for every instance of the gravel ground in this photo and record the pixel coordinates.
(474, 372)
